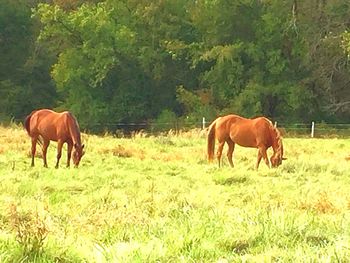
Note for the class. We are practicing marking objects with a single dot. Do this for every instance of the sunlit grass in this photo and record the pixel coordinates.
(155, 198)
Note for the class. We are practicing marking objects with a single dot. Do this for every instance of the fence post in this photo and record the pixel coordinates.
(275, 125)
(312, 129)
(203, 123)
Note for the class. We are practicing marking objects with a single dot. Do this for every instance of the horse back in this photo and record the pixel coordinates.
(236, 128)
(50, 125)
(245, 132)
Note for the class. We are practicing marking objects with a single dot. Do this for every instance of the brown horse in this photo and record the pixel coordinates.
(45, 125)
(257, 133)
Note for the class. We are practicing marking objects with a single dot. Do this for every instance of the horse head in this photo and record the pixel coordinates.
(78, 153)
(277, 157)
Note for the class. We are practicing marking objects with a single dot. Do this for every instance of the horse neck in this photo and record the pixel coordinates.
(276, 141)
(74, 130)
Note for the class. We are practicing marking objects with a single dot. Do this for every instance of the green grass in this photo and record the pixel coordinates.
(156, 199)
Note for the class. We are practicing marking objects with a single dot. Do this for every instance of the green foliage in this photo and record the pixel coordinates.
(226, 78)
(110, 61)
(95, 43)
(24, 65)
(196, 105)
(15, 36)
(166, 120)
(10, 97)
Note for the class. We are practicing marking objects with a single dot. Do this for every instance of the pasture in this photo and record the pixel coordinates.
(156, 199)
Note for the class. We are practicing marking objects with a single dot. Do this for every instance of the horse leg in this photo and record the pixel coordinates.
(59, 152)
(45, 146)
(262, 154)
(69, 152)
(258, 160)
(34, 141)
(231, 148)
(219, 151)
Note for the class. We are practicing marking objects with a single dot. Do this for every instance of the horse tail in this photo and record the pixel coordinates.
(27, 123)
(27, 126)
(211, 141)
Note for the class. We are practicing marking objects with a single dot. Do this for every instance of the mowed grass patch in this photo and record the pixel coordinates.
(157, 199)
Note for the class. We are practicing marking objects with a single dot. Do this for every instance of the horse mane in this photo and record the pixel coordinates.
(278, 139)
(75, 124)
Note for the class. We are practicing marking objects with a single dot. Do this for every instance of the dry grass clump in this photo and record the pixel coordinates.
(14, 140)
(13, 135)
(124, 152)
(188, 134)
(322, 204)
(139, 134)
(193, 133)
(31, 227)
(168, 157)
(121, 151)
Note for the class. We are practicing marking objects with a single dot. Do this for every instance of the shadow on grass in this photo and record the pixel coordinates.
(239, 247)
(317, 240)
(231, 180)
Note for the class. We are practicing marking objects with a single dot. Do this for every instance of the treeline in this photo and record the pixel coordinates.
(166, 60)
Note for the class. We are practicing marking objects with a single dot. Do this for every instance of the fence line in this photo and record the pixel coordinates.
(312, 129)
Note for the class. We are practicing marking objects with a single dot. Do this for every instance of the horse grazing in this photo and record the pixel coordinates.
(46, 125)
(257, 133)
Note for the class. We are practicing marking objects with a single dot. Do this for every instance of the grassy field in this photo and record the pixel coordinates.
(156, 199)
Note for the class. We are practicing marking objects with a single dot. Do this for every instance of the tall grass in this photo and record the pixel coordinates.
(156, 199)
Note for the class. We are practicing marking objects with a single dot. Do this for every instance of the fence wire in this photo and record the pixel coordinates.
(287, 129)
(152, 127)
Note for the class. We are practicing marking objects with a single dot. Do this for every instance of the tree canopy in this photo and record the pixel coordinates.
(131, 61)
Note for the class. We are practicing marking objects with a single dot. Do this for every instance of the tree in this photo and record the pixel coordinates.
(108, 61)
(23, 82)
(322, 24)
(127, 60)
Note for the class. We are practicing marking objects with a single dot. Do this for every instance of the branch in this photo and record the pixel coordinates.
(72, 32)
(334, 107)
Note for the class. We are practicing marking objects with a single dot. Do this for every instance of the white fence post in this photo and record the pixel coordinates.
(203, 123)
(312, 129)
(275, 125)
